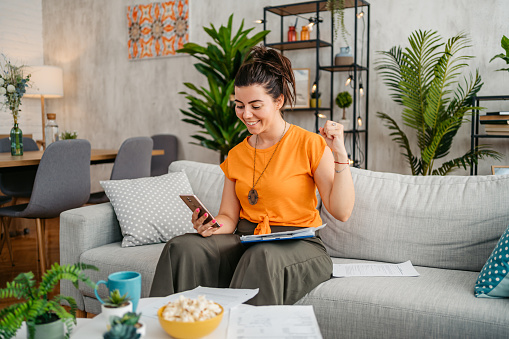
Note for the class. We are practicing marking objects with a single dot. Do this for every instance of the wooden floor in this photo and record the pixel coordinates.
(25, 252)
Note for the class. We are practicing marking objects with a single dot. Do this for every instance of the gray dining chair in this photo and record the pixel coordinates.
(160, 163)
(62, 182)
(132, 162)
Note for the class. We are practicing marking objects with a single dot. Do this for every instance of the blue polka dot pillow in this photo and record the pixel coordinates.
(149, 210)
(493, 281)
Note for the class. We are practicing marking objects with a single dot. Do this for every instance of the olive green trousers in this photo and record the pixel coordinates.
(284, 271)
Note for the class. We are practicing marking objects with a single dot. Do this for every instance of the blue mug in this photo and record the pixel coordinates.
(125, 282)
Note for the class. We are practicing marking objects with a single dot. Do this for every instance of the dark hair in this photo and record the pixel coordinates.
(270, 69)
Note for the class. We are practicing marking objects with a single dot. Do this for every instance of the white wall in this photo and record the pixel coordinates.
(21, 42)
(109, 98)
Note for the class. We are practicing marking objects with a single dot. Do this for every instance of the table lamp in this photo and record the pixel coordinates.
(47, 82)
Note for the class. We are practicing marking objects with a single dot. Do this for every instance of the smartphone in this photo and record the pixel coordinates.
(193, 203)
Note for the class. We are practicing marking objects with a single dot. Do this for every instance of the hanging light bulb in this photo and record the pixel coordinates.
(320, 115)
(359, 121)
(349, 80)
(361, 90)
(360, 14)
(259, 21)
(313, 89)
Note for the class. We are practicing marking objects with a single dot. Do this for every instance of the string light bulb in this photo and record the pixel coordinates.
(361, 90)
(360, 14)
(320, 115)
(349, 80)
(259, 21)
(359, 121)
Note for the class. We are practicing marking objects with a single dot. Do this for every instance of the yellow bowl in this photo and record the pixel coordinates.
(189, 330)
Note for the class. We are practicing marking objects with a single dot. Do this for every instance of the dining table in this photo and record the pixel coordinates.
(33, 158)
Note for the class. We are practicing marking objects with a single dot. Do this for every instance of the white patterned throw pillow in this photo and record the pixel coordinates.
(149, 210)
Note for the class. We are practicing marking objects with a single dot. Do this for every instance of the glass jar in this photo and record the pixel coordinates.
(51, 129)
(304, 33)
(292, 33)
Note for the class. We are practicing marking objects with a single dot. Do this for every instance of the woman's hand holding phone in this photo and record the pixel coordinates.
(205, 229)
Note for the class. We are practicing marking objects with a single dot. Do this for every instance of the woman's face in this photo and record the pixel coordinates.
(256, 108)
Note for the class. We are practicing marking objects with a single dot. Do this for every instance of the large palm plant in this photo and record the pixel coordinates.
(213, 109)
(423, 79)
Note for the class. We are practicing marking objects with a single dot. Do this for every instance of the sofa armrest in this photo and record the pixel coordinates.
(82, 229)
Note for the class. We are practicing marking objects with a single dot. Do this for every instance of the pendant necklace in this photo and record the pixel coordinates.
(253, 194)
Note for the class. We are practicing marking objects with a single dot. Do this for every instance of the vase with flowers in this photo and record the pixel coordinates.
(13, 84)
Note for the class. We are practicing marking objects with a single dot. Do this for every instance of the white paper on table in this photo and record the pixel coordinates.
(285, 322)
(405, 269)
(226, 297)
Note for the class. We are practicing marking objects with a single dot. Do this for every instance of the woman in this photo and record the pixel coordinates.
(271, 179)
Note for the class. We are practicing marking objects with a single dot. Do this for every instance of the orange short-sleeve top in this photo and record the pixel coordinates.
(286, 190)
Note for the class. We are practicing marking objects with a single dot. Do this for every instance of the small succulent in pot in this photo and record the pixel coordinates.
(129, 319)
(122, 331)
(115, 300)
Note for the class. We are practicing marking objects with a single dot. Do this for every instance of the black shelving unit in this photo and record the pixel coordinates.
(474, 134)
(356, 69)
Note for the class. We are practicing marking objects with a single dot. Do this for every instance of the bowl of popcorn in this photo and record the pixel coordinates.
(188, 318)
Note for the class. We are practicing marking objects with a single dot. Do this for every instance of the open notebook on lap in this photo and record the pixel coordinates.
(307, 232)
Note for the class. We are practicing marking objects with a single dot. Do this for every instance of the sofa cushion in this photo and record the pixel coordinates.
(493, 281)
(113, 257)
(207, 181)
(149, 210)
(437, 304)
(446, 222)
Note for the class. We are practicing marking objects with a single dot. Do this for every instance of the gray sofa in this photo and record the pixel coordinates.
(447, 226)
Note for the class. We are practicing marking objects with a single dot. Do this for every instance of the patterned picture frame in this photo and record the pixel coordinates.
(157, 29)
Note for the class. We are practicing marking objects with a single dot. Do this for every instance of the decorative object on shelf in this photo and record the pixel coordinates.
(301, 87)
(38, 311)
(337, 11)
(435, 103)
(157, 29)
(292, 34)
(47, 83)
(68, 135)
(499, 170)
(219, 63)
(344, 57)
(344, 100)
(315, 97)
(13, 84)
(129, 319)
(304, 33)
(505, 45)
(51, 129)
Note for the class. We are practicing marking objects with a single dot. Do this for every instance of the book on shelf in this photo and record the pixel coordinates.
(493, 117)
(496, 128)
(495, 122)
(498, 113)
(498, 133)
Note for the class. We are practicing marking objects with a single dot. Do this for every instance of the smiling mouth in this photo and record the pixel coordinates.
(252, 123)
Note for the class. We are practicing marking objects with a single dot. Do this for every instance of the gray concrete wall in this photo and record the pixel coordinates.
(109, 98)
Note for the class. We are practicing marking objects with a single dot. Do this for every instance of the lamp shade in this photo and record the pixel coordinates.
(46, 81)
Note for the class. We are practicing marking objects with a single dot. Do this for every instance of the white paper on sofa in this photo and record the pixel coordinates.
(405, 269)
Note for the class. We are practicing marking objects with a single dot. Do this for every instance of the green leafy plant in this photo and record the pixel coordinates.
(129, 318)
(505, 57)
(13, 84)
(116, 300)
(122, 331)
(38, 308)
(337, 11)
(344, 100)
(423, 79)
(68, 135)
(213, 109)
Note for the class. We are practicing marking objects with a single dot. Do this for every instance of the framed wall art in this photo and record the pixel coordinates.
(301, 87)
(499, 170)
(157, 29)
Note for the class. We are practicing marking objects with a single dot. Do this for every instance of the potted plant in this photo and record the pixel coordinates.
(213, 108)
(505, 57)
(68, 135)
(44, 317)
(337, 11)
(315, 100)
(344, 100)
(129, 319)
(435, 104)
(116, 305)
